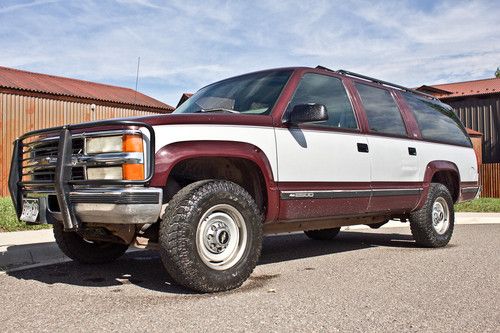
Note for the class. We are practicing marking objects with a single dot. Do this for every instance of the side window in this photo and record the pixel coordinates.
(436, 121)
(381, 109)
(329, 91)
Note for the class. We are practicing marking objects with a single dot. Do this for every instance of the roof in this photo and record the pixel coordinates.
(62, 86)
(184, 97)
(467, 88)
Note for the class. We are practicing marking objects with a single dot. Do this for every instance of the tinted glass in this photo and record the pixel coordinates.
(381, 109)
(437, 121)
(247, 94)
(329, 91)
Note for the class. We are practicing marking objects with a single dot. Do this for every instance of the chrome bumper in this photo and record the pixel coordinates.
(110, 206)
(113, 204)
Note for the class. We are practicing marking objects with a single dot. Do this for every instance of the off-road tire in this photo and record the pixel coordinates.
(178, 232)
(74, 246)
(323, 234)
(421, 223)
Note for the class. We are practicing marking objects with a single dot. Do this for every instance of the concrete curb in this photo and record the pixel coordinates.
(27, 248)
(30, 249)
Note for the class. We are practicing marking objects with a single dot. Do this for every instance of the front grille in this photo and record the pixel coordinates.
(39, 159)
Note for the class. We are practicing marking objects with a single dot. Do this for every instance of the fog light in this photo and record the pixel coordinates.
(105, 173)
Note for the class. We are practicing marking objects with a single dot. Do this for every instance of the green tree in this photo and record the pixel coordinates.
(497, 73)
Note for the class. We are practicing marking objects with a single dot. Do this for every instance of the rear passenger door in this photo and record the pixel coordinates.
(323, 168)
(394, 157)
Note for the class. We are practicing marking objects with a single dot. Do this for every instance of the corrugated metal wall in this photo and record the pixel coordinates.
(20, 114)
(481, 114)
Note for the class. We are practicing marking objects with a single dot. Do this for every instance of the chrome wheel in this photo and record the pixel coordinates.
(221, 237)
(440, 215)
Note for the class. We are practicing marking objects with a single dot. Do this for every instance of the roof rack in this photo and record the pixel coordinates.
(371, 79)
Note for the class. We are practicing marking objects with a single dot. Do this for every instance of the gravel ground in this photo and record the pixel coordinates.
(364, 281)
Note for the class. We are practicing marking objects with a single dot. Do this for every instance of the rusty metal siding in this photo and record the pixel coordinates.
(20, 114)
(490, 180)
(481, 114)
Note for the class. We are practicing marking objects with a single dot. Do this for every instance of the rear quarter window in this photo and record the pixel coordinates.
(381, 110)
(437, 122)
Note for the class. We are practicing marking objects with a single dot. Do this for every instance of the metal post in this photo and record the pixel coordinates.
(62, 178)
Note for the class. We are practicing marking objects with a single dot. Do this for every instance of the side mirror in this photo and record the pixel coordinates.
(306, 113)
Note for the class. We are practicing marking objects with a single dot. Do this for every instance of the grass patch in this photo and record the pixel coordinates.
(9, 221)
(481, 205)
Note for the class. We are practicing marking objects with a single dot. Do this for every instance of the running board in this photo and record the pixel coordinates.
(303, 225)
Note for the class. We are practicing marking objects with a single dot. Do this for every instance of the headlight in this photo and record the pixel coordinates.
(105, 144)
(127, 143)
(105, 173)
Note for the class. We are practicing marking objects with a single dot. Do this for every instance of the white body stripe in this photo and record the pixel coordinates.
(463, 157)
(259, 136)
(328, 156)
(321, 156)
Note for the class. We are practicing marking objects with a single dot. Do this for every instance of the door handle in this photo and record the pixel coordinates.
(412, 151)
(362, 147)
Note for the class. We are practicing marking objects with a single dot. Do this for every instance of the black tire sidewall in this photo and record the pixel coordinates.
(186, 266)
(252, 234)
(446, 236)
(75, 247)
(421, 221)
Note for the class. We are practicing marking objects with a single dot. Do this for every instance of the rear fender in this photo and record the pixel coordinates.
(431, 169)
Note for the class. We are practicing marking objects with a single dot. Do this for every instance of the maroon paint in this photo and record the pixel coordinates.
(167, 157)
(468, 196)
(400, 203)
(469, 184)
(285, 97)
(321, 208)
(430, 171)
(207, 118)
(408, 116)
(357, 105)
(318, 208)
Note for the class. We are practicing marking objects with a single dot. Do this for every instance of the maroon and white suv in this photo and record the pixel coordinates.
(274, 151)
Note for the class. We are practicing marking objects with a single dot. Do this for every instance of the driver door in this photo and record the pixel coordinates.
(323, 167)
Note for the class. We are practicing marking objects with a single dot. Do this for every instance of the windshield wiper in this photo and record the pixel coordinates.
(218, 110)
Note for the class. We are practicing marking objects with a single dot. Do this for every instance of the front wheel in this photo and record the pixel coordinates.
(432, 225)
(211, 236)
(84, 251)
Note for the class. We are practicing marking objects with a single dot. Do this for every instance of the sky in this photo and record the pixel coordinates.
(184, 45)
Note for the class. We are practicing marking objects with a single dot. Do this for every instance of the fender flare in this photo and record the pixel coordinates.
(431, 169)
(170, 155)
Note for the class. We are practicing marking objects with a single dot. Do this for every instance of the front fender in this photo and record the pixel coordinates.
(168, 156)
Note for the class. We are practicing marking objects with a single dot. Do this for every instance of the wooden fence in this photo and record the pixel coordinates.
(490, 180)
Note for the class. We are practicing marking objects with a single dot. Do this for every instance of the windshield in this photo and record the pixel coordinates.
(247, 94)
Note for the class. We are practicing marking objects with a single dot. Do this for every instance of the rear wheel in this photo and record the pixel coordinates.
(84, 251)
(323, 234)
(432, 225)
(211, 236)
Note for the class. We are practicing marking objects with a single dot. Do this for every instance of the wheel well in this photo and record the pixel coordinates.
(238, 170)
(450, 180)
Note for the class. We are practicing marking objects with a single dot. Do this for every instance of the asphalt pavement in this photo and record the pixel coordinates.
(363, 281)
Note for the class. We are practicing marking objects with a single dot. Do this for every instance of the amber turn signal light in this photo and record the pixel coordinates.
(133, 171)
(132, 143)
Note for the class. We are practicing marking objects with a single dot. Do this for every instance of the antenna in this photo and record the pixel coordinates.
(137, 77)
